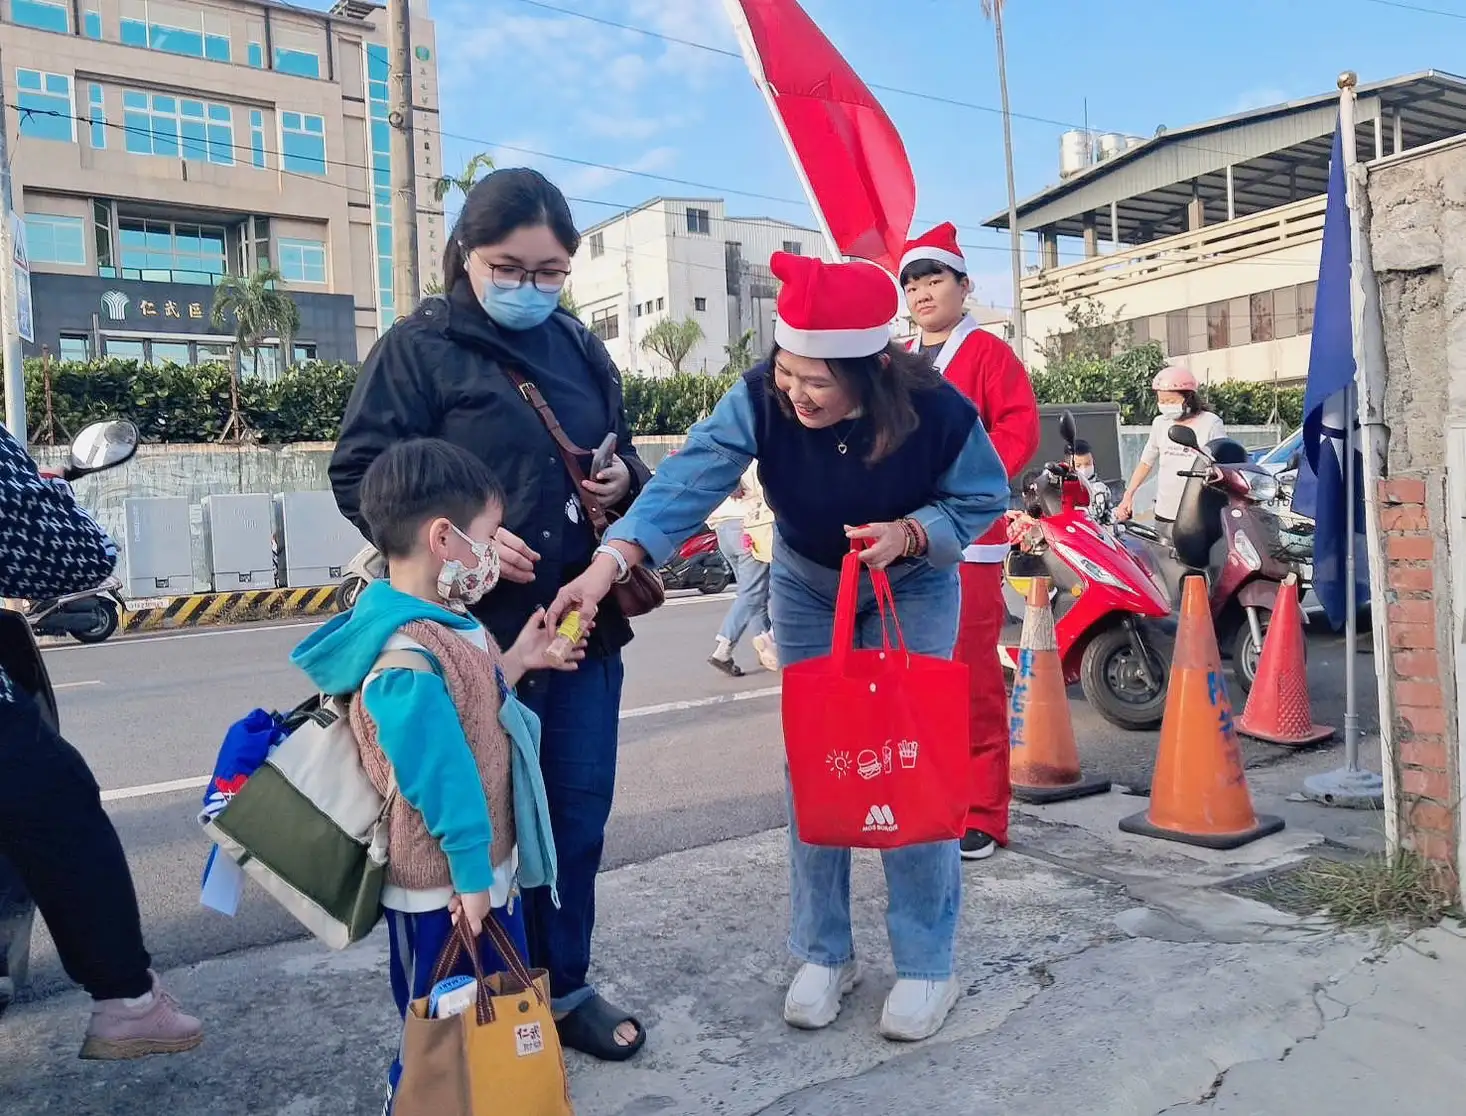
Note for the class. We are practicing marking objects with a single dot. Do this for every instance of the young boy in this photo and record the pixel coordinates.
(470, 825)
(1099, 491)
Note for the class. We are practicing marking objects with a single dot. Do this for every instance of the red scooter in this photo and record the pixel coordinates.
(1224, 531)
(1107, 604)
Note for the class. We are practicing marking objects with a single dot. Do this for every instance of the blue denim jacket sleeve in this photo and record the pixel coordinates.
(970, 496)
(690, 483)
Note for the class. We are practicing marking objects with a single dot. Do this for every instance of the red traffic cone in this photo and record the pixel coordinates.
(1278, 709)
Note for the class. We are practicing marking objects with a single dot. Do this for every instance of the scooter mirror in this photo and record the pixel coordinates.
(1184, 436)
(1067, 429)
(103, 445)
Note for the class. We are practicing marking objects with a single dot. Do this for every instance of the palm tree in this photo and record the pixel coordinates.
(257, 308)
(740, 353)
(993, 10)
(672, 340)
(464, 182)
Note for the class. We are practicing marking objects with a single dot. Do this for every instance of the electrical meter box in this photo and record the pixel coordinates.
(158, 554)
(237, 541)
(315, 540)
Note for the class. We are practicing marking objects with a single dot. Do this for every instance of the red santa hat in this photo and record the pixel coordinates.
(939, 245)
(832, 311)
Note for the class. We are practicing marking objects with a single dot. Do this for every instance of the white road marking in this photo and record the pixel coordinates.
(73, 685)
(198, 782)
(250, 629)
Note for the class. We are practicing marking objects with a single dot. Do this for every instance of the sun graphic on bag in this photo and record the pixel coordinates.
(838, 763)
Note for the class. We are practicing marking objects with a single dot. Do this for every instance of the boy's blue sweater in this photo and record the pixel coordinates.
(420, 733)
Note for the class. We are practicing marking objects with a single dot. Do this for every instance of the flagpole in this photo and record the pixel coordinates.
(1351, 785)
(744, 33)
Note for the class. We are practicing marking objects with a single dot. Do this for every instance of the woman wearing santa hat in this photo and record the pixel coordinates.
(985, 369)
(856, 439)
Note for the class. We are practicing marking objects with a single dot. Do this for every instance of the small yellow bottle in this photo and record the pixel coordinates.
(567, 635)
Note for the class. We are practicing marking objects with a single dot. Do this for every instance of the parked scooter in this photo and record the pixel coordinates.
(89, 617)
(103, 445)
(698, 564)
(1107, 605)
(368, 566)
(1223, 530)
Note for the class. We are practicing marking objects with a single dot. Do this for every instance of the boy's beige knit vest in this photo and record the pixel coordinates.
(414, 860)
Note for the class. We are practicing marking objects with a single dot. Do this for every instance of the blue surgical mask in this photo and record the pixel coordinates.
(523, 307)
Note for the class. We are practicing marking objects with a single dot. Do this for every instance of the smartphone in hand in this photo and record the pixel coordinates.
(601, 460)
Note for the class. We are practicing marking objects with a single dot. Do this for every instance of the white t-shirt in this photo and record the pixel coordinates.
(435, 899)
(1168, 459)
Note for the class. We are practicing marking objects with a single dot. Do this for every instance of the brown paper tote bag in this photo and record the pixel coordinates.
(500, 1057)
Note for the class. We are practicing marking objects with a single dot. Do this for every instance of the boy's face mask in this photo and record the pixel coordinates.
(1085, 471)
(464, 585)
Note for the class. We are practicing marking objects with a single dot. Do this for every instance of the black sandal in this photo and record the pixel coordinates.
(591, 1029)
(727, 666)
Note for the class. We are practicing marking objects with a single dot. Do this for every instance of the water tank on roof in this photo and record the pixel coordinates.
(1110, 145)
(1076, 152)
(1134, 141)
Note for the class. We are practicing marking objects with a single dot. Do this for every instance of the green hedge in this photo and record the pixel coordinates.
(173, 404)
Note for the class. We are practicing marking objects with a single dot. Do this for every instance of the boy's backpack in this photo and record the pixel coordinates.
(309, 826)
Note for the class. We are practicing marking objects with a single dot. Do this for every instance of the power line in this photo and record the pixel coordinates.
(1417, 8)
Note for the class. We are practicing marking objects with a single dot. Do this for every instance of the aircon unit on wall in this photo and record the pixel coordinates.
(237, 541)
(315, 540)
(158, 556)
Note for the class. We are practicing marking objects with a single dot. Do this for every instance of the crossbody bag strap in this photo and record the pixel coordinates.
(570, 453)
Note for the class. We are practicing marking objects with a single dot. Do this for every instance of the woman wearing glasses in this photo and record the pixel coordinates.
(444, 372)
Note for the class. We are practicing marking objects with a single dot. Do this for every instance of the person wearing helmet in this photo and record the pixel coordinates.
(1180, 404)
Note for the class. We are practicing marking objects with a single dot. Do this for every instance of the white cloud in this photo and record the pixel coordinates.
(581, 181)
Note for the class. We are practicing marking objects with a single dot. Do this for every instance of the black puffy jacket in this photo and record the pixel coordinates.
(438, 373)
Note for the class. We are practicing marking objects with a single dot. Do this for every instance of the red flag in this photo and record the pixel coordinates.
(849, 155)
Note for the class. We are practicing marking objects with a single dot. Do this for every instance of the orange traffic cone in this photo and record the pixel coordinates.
(1278, 710)
(1044, 764)
(1199, 794)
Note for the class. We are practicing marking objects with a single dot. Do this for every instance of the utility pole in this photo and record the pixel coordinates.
(993, 9)
(406, 287)
(9, 327)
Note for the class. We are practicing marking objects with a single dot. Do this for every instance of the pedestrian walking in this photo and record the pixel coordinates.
(445, 372)
(989, 373)
(750, 610)
(856, 439)
(53, 829)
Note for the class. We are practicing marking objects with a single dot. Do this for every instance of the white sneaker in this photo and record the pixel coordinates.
(767, 651)
(815, 994)
(916, 1009)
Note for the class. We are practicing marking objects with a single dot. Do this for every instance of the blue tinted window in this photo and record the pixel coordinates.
(257, 56)
(48, 15)
(377, 68)
(134, 33)
(302, 261)
(302, 63)
(45, 105)
(257, 136)
(176, 40)
(92, 23)
(217, 48)
(56, 240)
(302, 143)
(97, 114)
(160, 125)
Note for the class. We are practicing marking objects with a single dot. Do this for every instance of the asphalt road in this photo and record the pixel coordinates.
(701, 759)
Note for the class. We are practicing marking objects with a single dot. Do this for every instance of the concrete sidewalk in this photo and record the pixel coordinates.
(1104, 974)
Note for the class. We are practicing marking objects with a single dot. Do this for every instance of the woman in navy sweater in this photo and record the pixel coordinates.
(855, 439)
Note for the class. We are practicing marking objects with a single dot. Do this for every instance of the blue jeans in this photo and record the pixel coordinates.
(579, 716)
(751, 607)
(923, 882)
(414, 944)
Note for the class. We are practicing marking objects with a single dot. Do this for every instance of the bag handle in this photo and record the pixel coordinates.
(847, 603)
(570, 453)
(461, 940)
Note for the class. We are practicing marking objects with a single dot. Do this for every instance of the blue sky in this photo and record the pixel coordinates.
(537, 87)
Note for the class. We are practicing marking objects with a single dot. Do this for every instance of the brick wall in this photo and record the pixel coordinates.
(1424, 737)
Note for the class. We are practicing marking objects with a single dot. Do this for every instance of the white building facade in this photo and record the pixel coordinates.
(1206, 239)
(682, 258)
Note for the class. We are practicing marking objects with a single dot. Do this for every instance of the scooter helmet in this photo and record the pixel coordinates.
(1174, 378)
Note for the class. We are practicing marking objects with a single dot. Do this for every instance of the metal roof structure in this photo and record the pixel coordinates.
(1264, 158)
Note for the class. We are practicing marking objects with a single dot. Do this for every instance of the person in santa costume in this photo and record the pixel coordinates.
(986, 370)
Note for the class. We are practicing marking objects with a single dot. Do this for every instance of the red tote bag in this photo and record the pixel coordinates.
(877, 739)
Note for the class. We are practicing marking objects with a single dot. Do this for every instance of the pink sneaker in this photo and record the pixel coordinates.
(153, 1024)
